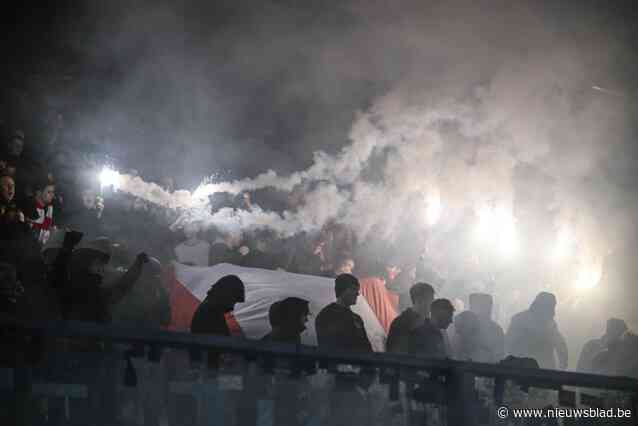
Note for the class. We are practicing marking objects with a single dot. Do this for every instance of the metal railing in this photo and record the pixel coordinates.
(449, 385)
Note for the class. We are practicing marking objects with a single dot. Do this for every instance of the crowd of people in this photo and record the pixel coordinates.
(66, 255)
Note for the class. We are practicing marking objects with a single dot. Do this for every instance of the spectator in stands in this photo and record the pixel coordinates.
(8, 167)
(82, 296)
(288, 320)
(9, 212)
(403, 327)
(614, 332)
(345, 266)
(491, 335)
(428, 340)
(147, 304)
(534, 333)
(193, 251)
(466, 340)
(220, 299)
(337, 326)
(39, 211)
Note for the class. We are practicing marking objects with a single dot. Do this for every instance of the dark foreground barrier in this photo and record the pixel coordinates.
(68, 373)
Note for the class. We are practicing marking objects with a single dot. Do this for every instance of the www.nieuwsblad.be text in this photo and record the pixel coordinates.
(562, 413)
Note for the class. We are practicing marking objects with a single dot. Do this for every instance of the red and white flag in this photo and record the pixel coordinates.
(188, 286)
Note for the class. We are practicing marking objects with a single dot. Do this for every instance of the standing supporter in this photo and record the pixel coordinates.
(9, 212)
(491, 334)
(288, 320)
(209, 318)
(466, 339)
(193, 251)
(83, 297)
(613, 333)
(39, 210)
(534, 333)
(337, 326)
(403, 327)
(428, 340)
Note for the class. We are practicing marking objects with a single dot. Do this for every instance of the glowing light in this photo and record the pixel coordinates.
(109, 177)
(563, 245)
(589, 276)
(432, 209)
(498, 225)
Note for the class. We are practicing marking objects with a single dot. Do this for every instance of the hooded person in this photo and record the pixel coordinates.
(613, 334)
(209, 318)
(491, 335)
(534, 333)
(288, 320)
(82, 295)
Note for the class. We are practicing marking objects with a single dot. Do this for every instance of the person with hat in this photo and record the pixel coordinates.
(82, 295)
(337, 326)
(534, 333)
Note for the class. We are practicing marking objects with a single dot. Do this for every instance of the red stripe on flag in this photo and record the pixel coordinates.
(383, 303)
(184, 304)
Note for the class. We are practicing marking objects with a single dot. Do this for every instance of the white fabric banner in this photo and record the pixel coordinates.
(264, 287)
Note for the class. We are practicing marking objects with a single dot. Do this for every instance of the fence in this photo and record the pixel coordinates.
(73, 373)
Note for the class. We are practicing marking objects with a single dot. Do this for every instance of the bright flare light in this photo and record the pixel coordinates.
(432, 209)
(497, 224)
(588, 277)
(109, 177)
(563, 245)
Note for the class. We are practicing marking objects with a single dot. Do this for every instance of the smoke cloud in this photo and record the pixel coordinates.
(390, 120)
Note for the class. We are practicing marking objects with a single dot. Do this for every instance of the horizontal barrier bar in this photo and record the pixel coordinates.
(255, 348)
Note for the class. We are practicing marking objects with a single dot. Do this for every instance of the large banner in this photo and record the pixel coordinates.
(189, 285)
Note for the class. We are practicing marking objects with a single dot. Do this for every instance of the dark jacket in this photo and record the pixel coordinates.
(209, 319)
(401, 330)
(340, 328)
(427, 341)
(82, 296)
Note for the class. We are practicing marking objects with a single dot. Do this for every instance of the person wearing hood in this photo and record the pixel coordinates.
(613, 334)
(534, 333)
(288, 320)
(82, 296)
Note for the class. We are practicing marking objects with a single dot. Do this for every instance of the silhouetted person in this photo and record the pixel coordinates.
(533, 333)
(288, 320)
(422, 295)
(491, 335)
(220, 299)
(613, 334)
(466, 339)
(428, 340)
(337, 326)
(83, 297)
